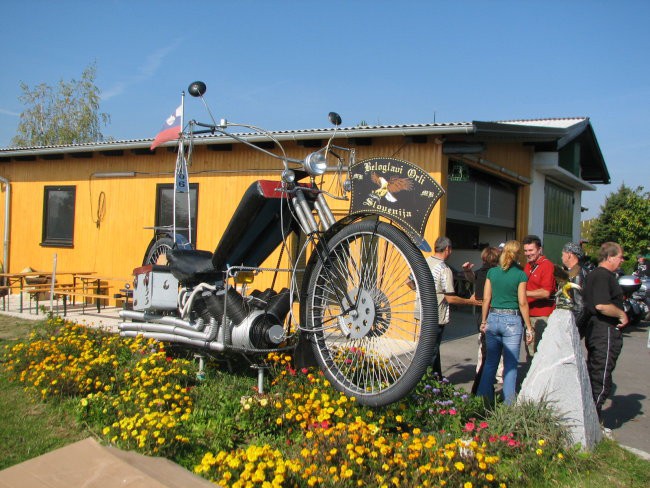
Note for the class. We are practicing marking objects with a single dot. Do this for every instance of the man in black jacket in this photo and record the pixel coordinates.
(604, 339)
(572, 255)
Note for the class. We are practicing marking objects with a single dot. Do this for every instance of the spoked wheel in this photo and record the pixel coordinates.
(157, 251)
(371, 312)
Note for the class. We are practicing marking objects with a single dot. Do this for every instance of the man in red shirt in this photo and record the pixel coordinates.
(540, 288)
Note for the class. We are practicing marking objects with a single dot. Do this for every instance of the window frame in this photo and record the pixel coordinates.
(48, 240)
(160, 187)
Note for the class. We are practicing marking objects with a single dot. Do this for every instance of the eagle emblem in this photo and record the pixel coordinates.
(388, 188)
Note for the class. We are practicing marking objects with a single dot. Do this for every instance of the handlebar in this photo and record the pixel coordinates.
(315, 163)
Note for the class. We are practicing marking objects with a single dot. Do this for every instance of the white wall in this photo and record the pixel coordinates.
(536, 208)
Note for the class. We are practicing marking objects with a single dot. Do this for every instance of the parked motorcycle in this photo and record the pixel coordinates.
(366, 299)
(635, 300)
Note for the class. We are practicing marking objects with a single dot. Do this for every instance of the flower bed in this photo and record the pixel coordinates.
(136, 395)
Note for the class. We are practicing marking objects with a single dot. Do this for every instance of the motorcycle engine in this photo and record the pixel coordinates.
(254, 322)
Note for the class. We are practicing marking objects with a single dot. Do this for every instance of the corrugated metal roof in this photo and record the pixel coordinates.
(556, 131)
(563, 123)
(281, 134)
(462, 127)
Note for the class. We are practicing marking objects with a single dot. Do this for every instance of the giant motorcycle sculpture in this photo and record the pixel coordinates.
(366, 300)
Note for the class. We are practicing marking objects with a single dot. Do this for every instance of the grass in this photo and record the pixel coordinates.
(12, 329)
(28, 427)
(78, 383)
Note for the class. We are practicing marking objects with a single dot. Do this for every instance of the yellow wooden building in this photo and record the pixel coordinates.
(94, 205)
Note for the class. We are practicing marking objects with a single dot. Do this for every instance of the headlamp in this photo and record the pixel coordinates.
(315, 164)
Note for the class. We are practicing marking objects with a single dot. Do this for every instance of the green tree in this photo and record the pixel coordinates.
(66, 114)
(624, 218)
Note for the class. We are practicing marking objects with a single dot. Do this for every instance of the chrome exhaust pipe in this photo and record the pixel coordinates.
(214, 346)
(157, 319)
(209, 334)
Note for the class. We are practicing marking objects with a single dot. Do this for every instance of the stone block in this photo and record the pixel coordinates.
(558, 375)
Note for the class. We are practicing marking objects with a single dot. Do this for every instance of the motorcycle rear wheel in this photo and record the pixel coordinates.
(373, 335)
(157, 251)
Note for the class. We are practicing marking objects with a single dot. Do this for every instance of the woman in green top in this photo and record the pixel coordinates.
(504, 307)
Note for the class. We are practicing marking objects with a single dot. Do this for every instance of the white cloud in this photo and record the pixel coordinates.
(9, 112)
(146, 71)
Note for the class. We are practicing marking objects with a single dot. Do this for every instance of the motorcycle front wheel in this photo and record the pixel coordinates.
(371, 313)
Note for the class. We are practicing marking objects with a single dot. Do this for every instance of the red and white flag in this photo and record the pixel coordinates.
(170, 130)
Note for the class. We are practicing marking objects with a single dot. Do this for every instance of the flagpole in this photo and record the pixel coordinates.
(189, 209)
(179, 154)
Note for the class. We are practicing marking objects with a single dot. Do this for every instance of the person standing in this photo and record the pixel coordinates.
(641, 267)
(505, 308)
(444, 281)
(540, 288)
(603, 298)
(489, 258)
(572, 255)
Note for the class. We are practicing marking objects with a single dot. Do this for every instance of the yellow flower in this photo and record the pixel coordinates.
(539, 452)
(459, 466)
(541, 442)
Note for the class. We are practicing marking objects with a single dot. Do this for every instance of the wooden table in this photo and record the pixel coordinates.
(91, 285)
(20, 279)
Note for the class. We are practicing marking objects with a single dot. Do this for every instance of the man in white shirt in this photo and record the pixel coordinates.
(444, 280)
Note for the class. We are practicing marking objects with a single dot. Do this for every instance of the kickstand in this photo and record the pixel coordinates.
(260, 376)
(200, 374)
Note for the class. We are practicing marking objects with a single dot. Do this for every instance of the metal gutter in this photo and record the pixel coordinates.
(5, 242)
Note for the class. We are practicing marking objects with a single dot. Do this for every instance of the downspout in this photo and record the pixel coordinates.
(5, 242)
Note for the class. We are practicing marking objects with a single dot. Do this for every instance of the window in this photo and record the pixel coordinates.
(558, 210)
(58, 216)
(165, 209)
(481, 199)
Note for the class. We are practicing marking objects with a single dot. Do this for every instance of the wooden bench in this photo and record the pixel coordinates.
(35, 291)
(85, 294)
(95, 288)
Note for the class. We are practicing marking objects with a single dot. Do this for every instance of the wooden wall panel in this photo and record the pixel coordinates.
(116, 244)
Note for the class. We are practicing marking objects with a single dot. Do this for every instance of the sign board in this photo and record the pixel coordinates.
(399, 190)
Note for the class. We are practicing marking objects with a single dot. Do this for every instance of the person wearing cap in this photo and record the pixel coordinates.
(540, 288)
(603, 298)
(572, 255)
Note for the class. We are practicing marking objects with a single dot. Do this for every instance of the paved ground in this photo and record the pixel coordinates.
(626, 412)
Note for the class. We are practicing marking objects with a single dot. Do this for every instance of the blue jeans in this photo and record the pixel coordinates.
(503, 336)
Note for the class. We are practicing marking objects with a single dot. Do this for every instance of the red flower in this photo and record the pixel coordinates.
(469, 427)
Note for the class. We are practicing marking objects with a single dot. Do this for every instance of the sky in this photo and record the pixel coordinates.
(285, 65)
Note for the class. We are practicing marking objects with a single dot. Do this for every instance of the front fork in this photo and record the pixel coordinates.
(306, 217)
(326, 217)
